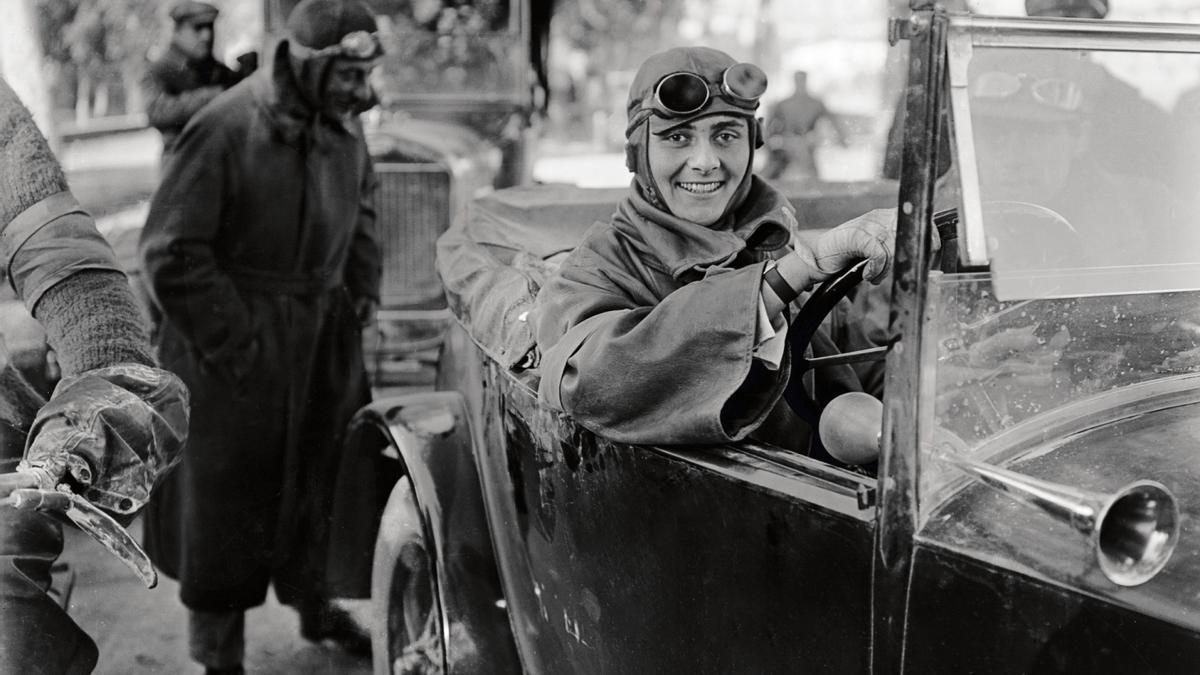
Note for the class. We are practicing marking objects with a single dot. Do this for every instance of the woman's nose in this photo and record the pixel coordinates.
(703, 158)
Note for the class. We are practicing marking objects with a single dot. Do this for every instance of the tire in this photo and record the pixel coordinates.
(407, 638)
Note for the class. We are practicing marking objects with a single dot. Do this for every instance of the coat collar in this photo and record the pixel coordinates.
(762, 224)
(291, 115)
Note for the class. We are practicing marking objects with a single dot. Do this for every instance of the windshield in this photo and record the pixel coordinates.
(464, 49)
(1087, 163)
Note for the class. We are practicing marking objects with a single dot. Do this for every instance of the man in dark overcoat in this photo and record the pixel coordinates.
(261, 252)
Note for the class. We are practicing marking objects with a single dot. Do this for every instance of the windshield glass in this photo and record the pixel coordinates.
(463, 48)
(1087, 163)
(997, 365)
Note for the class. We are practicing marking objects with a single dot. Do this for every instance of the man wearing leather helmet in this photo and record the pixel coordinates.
(261, 251)
(667, 324)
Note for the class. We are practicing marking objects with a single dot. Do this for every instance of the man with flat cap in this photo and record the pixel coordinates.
(186, 76)
(260, 250)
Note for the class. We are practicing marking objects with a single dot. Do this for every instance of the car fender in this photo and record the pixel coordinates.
(430, 434)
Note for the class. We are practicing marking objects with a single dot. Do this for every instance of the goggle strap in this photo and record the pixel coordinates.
(347, 46)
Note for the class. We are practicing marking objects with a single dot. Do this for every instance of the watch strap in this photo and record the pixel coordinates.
(783, 290)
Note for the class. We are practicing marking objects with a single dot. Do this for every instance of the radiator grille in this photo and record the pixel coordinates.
(414, 210)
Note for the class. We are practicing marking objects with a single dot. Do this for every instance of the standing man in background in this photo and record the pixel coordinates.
(261, 250)
(791, 132)
(178, 84)
(186, 76)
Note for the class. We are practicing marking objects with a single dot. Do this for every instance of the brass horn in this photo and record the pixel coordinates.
(1133, 531)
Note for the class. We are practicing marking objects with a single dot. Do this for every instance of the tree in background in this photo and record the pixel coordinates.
(97, 48)
(611, 38)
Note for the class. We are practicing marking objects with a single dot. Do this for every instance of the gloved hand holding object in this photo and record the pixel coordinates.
(107, 435)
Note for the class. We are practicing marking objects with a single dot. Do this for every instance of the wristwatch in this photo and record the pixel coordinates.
(783, 290)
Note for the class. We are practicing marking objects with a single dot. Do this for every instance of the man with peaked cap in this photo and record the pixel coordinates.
(115, 423)
(186, 76)
(260, 249)
(667, 324)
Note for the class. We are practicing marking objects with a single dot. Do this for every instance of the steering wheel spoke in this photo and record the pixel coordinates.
(868, 355)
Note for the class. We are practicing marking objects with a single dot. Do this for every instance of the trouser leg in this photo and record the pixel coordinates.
(217, 639)
(36, 634)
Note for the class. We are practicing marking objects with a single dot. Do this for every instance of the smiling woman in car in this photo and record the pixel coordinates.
(667, 324)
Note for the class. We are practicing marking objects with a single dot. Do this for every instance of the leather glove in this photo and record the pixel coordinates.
(111, 434)
(870, 236)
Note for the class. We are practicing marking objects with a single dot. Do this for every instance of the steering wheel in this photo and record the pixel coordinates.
(804, 326)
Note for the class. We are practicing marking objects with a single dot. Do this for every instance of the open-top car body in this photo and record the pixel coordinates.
(1035, 499)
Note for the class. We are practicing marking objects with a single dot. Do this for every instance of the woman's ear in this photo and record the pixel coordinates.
(630, 157)
(757, 130)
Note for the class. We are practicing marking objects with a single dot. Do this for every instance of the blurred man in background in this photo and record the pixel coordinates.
(792, 134)
(179, 83)
(186, 76)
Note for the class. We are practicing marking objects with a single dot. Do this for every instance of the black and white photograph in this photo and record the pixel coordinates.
(555, 337)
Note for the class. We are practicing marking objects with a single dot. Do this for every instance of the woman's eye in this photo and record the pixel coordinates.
(726, 137)
(678, 139)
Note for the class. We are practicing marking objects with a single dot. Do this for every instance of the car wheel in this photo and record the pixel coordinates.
(407, 638)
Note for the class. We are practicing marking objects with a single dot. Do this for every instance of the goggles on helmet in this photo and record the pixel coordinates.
(1052, 92)
(682, 93)
(356, 45)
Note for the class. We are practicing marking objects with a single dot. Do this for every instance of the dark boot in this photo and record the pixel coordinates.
(323, 621)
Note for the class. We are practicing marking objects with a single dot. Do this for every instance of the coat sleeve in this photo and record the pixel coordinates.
(168, 107)
(364, 267)
(178, 244)
(665, 372)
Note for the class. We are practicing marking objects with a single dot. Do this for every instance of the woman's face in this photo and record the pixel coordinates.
(698, 166)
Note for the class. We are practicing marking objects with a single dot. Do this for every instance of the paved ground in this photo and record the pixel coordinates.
(143, 632)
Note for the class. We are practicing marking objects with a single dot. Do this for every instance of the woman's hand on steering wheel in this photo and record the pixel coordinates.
(870, 236)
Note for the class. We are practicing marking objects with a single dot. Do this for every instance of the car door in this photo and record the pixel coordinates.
(623, 559)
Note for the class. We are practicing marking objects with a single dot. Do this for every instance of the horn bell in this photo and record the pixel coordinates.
(1132, 531)
(1136, 533)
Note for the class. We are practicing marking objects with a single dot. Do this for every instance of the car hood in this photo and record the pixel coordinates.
(995, 528)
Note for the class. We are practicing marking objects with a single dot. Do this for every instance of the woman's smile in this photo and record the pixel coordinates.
(705, 188)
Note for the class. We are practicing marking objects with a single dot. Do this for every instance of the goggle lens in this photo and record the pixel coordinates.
(745, 81)
(685, 93)
(681, 93)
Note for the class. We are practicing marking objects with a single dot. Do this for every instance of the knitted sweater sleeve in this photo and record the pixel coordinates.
(90, 316)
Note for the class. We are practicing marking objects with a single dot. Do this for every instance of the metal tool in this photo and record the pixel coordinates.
(96, 523)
